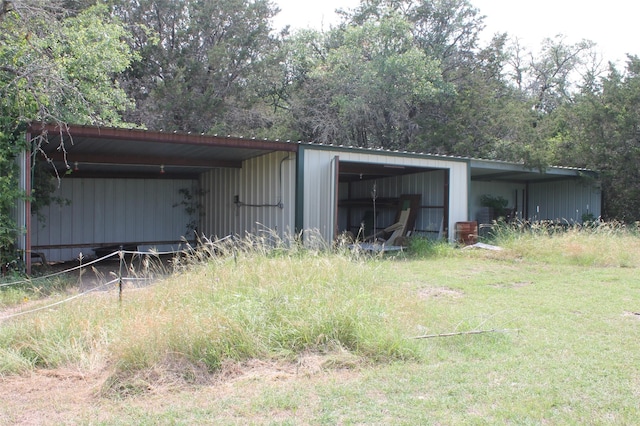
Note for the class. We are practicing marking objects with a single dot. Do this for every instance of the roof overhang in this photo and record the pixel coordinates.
(88, 151)
(490, 170)
(356, 171)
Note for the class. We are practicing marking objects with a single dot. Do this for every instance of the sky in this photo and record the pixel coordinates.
(612, 24)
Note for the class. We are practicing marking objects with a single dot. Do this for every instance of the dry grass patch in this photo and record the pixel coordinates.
(604, 245)
(317, 338)
(437, 292)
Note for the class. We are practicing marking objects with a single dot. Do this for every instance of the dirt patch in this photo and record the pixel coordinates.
(518, 284)
(47, 397)
(439, 292)
(135, 271)
(71, 279)
(631, 314)
(67, 396)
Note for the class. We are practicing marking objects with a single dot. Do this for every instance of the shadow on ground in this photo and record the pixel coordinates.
(134, 271)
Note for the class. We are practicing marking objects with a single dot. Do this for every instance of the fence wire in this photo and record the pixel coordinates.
(60, 302)
(119, 279)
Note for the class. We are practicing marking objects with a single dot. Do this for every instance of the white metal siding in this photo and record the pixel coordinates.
(219, 213)
(112, 211)
(564, 200)
(318, 206)
(318, 203)
(260, 184)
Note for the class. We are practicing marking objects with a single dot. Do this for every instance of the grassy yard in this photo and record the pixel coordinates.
(298, 337)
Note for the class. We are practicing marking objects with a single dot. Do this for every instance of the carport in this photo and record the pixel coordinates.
(131, 186)
(559, 194)
(153, 189)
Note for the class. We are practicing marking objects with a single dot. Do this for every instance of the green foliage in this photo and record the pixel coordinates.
(497, 203)
(64, 71)
(372, 79)
(428, 248)
(202, 63)
(53, 68)
(91, 52)
(603, 135)
(9, 194)
(192, 207)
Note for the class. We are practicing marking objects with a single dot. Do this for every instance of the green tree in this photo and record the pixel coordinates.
(363, 84)
(200, 62)
(54, 67)
(446, 30)
(603, 133)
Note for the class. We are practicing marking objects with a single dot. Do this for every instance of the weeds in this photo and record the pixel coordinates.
(428, 248)
(30, 289)
(569, 292)
(593, 244)
(232, 300)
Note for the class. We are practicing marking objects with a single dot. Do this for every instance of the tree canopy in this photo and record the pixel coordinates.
(396, 74)
(56, 65)
(201, 62)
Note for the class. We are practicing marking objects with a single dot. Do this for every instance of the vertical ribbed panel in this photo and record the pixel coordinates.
(564, 201)
(261, 185)
(318, 204)
(19, 210)
(430, 186)
(112, 211)
(221, 217)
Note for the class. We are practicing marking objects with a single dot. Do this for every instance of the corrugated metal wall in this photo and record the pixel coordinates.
(430, 185)
(220, 215)
(318, 206)
(19, 210)
(261, 184)
(112, 211)
(564, 200)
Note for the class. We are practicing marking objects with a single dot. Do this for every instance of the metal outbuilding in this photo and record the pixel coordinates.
(154, 188)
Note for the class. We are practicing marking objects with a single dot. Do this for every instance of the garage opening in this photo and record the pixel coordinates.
(371, 198)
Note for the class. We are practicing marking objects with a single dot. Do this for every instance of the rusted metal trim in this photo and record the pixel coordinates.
(164, 137)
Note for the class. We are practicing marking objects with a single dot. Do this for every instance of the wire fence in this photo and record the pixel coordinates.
(60, 302)
(123, 274)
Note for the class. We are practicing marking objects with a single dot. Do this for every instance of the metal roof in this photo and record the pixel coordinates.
(480, 169)
(492, 170)
(98, 151)
(91, 151)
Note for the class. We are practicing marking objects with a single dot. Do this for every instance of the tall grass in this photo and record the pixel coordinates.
(428, 248)
(272, 299)
(233, 301)
(563, 302)
(597, 244)
(16, 288)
